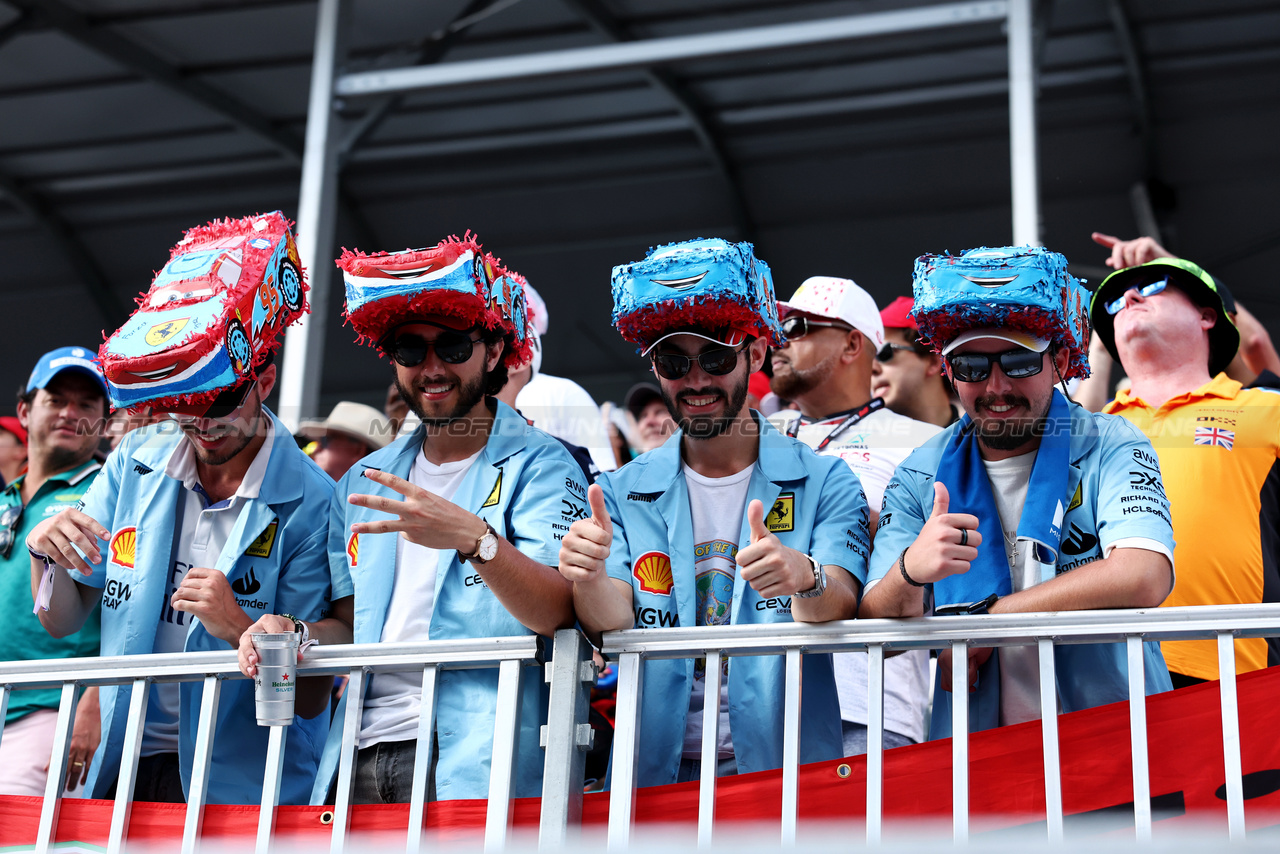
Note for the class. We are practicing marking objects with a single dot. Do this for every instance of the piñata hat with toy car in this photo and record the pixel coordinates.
(455, 278)
(709, 284)
(1021, 288)
(212, 317)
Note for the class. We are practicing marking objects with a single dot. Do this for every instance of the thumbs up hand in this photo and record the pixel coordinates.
(771, 568)
(584, 549)
(946, 544)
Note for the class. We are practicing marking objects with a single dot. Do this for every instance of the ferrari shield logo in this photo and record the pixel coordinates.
(261, 547)
(495, 495)
(161, 333)
(781, 517)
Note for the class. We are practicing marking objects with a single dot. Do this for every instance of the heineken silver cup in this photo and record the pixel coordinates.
(274, 689)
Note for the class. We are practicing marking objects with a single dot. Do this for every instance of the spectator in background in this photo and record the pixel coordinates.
(833, 331)
(559, 405)
(908, 375)
(654, 424)
(60, 412)
(351, 431)
(1218, 444)
(1029, 503)
(13, 449)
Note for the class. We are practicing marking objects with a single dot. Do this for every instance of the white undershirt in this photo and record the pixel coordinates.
(717, 506)
(205, 531)
(393, 699)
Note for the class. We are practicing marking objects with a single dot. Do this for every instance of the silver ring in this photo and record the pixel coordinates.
(964, 536)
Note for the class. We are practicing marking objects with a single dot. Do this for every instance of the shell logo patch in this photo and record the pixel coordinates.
(353, 549)
(495, 495)
(123, 547)
(162, 332)
(782, 515)
(261, 547)
(653, 571)
(1077, 499)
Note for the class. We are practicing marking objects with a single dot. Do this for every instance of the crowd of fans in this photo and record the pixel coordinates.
(958, 450)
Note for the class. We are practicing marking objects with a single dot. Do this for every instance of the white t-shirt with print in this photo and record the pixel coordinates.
(393, 700)
(717, 506)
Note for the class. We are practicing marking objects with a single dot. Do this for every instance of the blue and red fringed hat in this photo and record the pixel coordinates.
(710, 284)
(1023, 288)
(455, 278)
(212, 316)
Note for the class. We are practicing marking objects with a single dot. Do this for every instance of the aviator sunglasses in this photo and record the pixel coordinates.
(717, 362)
(798, 326)
(451, 347)
(885, 354)
(1017, 364)
(1146, 291)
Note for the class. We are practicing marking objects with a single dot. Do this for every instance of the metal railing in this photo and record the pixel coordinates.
(567, 735)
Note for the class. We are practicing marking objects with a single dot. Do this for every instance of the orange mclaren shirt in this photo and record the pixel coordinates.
(1219, 449)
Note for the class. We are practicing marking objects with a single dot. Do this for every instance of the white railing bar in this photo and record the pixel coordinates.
(57, 768)
(422, 757)
(710, 753)
(1069, 627)
(506, 732)
(1049, 733)
(271, 788)
(960, 741)
(1138, 739)
(626, 748)
(4, 708)
(875, 742)
(129, 754)
(791, 747)
(347, 760)
(1231, 736)
(198, 792)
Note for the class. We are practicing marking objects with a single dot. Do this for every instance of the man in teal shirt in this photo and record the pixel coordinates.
(62, 408)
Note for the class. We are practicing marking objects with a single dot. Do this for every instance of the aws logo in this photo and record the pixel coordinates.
(653, 571)
(124, 546)
(353, 549)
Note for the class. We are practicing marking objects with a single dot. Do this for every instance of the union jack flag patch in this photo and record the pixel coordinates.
(1215, 436)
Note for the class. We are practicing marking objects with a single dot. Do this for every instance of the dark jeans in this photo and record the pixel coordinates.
(384, 774)
(159, 781)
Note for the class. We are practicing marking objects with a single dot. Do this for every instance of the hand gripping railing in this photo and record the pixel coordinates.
(1043, 630)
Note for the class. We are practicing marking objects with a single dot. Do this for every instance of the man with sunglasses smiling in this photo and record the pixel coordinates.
(1218, 444)
(833, 333)
(909, 376)
(197, 525)
(451, 531)
(62, 407)
(1029, 503)
(729, 521)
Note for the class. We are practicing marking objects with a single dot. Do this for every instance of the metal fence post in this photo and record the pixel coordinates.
(566, 737)
(1023, 145)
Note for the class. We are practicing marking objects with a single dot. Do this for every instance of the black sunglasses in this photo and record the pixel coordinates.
(885, 354)
(10, 519)
(798, 326)
(451, 347)
(1017, 364)
(717, 362)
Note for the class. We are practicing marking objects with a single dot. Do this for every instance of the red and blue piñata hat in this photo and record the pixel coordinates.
(455, 278)
(707, 283)
(1024, 288)
(212, 316)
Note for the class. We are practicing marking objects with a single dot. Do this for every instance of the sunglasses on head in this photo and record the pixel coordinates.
(1146, 291)
(798, 326)
(1017, 364)
(885, 354)
(10, 519)
(452, 347)
(224, 409)
(717, 362)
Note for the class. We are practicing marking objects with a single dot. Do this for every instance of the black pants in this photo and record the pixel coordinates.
(159, 781)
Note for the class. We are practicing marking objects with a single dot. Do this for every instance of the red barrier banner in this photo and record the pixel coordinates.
(1006, 784)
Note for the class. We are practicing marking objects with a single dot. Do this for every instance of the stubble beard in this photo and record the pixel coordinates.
(708, 427)
(470, 393)
(791, 383)
(1010, 434)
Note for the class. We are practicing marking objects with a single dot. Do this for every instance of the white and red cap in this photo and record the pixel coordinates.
(837, 299)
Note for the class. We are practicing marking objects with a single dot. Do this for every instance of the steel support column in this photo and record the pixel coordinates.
(1023, 147)
(317, 217)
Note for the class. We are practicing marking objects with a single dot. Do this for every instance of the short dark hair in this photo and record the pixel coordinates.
(495, 380)
(25, 396)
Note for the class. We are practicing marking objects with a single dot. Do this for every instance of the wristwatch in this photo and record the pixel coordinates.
(819, 581)
(982, 606)
(486, 547)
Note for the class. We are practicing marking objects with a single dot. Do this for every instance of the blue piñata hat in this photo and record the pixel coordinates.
(1026, 288)
(711, 284)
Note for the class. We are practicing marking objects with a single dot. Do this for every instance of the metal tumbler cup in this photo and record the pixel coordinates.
(274, 689)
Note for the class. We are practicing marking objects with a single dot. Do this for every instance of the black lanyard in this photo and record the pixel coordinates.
(850, 420)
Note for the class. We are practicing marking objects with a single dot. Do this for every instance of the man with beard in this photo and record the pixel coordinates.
(1029, 503)
(728, 522)
(200, 523)
(833, 333)
(451, 531)
(60, 412)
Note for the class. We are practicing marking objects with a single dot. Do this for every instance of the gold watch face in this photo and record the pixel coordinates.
(488, 547)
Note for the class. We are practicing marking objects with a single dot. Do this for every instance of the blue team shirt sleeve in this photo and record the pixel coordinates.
(551, 494)
(1131, 497)
(338, 534)
(841, 535)
(618, 564)
(99, 502)
(902, 516)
